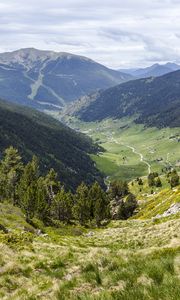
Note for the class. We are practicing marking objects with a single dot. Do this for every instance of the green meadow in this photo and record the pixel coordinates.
(160, 148)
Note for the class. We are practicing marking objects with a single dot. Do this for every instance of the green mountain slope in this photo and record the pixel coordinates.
(154, 102)
(56, 145)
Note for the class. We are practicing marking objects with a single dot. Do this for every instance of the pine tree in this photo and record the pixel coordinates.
(99, 203)
(174, 180)
(43, 209)
(11, 168)
(158, 182)
(27, 189)
(82, 207)
(118, 189)
(62, 206)
(151, 181)
(140, 182)
(127, 207)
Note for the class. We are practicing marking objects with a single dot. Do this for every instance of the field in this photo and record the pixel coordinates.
(131, 150)
(137, 259)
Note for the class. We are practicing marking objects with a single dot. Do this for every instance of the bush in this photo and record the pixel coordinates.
(17, 240)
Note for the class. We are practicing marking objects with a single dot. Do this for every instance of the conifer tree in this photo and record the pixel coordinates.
(27, 189)
(158, 182)
(99, 203)
(62, 206)
(82, 207)
(10, 171)
(118, 189)
(43, 209)
(174, 180)
(127, 207)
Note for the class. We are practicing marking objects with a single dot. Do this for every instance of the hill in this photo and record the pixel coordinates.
(55, 145)
(49, 80)
(133, 259)
(153, 101)
(154, 70)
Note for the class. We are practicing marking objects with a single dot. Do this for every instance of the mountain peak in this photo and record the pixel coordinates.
(48, 79)
(29, 55)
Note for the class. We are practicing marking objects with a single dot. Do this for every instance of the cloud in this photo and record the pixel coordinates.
(116, 33)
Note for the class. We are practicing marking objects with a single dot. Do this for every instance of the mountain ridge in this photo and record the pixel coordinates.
(48, 80)
(154, 70)
(154, 102)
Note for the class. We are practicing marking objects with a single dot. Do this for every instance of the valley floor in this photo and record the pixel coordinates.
(132, 150)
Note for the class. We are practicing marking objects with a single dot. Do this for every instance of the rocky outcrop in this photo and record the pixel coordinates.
(174, 209)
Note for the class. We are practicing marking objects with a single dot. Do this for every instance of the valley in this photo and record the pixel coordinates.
(131, 150)
(90, 195)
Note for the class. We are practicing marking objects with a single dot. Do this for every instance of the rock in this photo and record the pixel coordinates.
(44, 235)
(28, 229)
(174, 209)
(89, 234)
(38, 232)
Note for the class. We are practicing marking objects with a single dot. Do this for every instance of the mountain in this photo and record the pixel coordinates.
(56, 145)
(154, 70)
(50, 80)
(153, 101)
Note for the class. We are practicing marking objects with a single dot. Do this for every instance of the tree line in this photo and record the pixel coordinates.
(45, 198)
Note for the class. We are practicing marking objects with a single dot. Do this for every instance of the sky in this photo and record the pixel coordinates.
(116, 33)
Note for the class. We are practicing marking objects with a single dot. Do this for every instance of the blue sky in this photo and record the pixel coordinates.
(116, 33)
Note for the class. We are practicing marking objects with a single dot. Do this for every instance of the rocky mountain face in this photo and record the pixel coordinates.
(50, 80)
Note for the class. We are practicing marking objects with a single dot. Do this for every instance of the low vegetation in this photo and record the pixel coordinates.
(127, 260)
(56, 244)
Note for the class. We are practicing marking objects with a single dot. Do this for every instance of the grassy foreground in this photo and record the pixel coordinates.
(129, 260)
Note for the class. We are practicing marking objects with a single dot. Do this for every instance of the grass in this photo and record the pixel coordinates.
(159, 203)
(137, 259)
(159, 147)
(134, 259)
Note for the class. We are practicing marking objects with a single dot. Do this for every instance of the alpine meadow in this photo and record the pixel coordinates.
(89, 150)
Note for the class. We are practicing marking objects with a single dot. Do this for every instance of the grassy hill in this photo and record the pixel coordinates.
(135, 259)
(153, 102)
(55, 145)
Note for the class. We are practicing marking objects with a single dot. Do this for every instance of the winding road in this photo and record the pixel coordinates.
(141, 158)
(135, 152)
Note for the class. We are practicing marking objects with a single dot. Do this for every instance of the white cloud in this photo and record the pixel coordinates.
(116, 33)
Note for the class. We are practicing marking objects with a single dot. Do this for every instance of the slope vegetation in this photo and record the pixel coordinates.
(134, 259)
(153, 101)
(55, 145)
